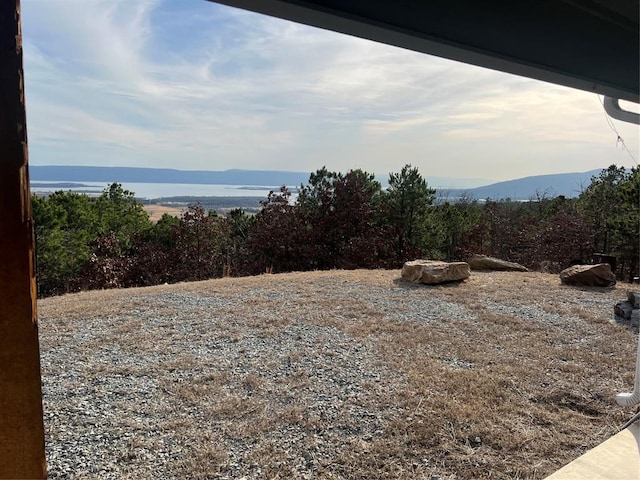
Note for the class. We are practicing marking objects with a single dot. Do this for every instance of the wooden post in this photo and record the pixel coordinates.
(21, 422)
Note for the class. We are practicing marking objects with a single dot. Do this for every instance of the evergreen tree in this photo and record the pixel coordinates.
(626, 225)
(341, 212)
(64, 224)
(452, 222)
(49, 220)
(600, 203)
(201, 242)
(408, 200)
(119, 212)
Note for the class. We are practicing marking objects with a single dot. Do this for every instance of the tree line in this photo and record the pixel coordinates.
(338, 220)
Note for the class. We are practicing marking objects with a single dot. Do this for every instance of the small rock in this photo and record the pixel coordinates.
(623, 309)
(634, 299)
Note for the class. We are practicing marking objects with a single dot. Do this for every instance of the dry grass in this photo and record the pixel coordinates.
(156, 211)
(521, 383)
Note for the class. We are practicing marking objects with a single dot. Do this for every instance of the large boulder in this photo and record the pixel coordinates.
(433, 271)
(482, 262)
(599, 275)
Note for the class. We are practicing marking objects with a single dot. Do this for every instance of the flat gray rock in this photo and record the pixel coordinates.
(483, 262)
(634, 299)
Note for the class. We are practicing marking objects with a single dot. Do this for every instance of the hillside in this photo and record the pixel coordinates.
(336, 374)
(567, 184)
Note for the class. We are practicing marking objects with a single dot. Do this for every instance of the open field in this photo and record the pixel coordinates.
(156, 211)
(176, 206)
(338, 374)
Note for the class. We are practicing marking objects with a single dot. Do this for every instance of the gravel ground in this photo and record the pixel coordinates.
(277, 375)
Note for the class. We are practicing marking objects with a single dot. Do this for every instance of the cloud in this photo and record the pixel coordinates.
(198, 85)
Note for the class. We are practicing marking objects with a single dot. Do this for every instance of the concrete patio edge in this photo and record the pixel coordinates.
(617, 458)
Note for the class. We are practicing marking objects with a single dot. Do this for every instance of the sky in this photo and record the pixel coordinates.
(195, 85)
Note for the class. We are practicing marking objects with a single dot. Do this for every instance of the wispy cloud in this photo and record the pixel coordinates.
(198, 85)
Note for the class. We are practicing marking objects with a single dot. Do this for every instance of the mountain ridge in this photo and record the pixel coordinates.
(567, 184)
(164, 175)
(525, 188)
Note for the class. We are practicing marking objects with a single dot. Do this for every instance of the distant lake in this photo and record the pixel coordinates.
(157, 190)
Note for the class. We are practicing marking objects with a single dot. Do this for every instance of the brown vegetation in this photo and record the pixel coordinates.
(506, 375)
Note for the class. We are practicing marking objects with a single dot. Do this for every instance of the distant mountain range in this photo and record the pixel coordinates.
(567, 184)
(164, 175)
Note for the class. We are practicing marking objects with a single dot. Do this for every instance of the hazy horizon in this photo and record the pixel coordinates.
(154, 183)
(202, 86)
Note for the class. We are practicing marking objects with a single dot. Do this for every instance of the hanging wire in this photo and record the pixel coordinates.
(619, 139)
